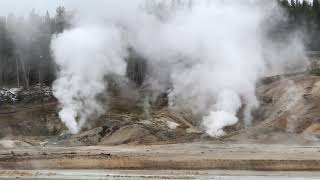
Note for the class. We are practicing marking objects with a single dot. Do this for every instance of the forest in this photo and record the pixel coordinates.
(25, 57)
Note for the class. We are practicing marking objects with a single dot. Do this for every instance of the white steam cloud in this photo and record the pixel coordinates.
(209, 53)
(85, 56)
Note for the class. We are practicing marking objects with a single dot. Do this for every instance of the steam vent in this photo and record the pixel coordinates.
(160, 89)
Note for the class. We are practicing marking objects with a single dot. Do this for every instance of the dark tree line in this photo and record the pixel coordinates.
(304, 15)
(25, 57)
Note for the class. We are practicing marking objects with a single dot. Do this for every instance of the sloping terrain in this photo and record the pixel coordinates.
(126, 121)
(289, 113)
(128, 136)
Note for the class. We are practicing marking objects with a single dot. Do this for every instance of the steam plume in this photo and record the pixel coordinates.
(85, 55)
(209, 53)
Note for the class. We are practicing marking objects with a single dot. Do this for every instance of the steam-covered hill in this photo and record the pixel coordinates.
(288, 113)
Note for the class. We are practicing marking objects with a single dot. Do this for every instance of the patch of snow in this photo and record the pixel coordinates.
(8, 95)
(172, 125)
(14, 95)
(146, 122)
(15, 90)
(7, 143)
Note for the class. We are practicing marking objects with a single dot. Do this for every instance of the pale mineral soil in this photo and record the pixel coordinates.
(284, 135)
(192, 156)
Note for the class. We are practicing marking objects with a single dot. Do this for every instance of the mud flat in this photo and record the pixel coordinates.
(191, 156)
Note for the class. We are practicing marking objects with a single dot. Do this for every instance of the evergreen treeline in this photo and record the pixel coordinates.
(25, 48)
(304, 15)
(25, 57)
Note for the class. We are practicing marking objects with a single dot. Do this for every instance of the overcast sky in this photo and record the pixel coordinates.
(22, 7)
(25, 6)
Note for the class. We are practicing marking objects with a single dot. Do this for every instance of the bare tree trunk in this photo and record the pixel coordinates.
(28, 70)
(5, 76)
(17, 71)
(39, 77)
(1, 77)
(25, 74)
(6, 80)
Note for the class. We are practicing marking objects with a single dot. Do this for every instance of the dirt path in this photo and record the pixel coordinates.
(175, 156)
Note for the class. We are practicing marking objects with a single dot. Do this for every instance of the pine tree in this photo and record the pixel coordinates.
(316, 10)
(315, 4)
(60, 19)
(6, 52)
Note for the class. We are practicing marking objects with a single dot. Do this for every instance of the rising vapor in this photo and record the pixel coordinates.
(85, 55)
(209, 54)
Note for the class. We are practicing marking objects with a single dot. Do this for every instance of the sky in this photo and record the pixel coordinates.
(23, 7)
